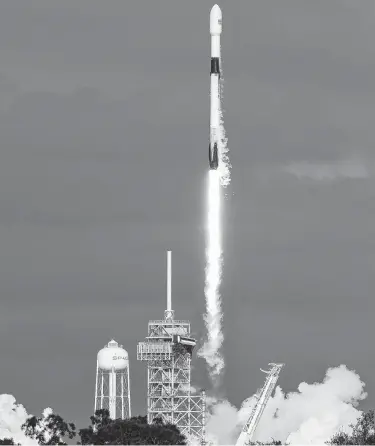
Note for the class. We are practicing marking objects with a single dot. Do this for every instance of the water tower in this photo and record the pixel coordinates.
(112, 381)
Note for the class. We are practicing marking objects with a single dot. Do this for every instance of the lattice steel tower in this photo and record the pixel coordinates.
(168, 350)
(112, 390)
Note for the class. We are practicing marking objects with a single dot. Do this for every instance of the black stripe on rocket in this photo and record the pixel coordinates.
(215, 65)
(213, 156)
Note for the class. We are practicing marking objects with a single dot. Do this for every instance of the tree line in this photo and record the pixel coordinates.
(53, 430)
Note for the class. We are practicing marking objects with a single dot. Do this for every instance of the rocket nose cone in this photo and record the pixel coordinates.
(215, 12)
(215, 20)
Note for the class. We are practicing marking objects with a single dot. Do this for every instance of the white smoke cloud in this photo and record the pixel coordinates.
(351, 168)
(189, 388)
(12, 417)
(221, 422)
(312, 415)
(224, 165)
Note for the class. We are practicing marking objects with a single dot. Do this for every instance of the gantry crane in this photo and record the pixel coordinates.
(263, 396)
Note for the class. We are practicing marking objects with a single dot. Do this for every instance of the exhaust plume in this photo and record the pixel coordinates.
(225, 165)
(211, 348)
(311, 415)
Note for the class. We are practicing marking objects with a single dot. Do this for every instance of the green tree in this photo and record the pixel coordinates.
(363, 432)
(7, 441)
(50, 430)
(136, 430)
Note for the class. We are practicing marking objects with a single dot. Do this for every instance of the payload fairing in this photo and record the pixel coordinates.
(215, 31)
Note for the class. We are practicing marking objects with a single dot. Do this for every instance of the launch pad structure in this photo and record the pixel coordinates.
(168, 352)
(262, 397)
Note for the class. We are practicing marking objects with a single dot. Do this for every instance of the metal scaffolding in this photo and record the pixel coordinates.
(168, 350)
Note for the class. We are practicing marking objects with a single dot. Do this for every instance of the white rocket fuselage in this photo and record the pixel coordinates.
(215, 31)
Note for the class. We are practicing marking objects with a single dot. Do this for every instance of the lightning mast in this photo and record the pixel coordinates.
(262, 399)
(168, 350)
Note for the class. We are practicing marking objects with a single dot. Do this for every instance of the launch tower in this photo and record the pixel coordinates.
(168, 350)
(112, 390)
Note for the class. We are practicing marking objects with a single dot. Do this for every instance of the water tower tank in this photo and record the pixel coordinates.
(112, 390)
(113, 357)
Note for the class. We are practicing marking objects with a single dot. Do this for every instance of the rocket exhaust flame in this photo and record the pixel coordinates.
(210, 350)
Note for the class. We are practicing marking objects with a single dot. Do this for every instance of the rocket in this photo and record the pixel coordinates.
(215, 31)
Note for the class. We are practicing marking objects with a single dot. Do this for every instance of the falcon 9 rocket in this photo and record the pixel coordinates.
(215, 31)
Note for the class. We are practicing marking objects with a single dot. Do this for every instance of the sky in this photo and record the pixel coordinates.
(103, 161)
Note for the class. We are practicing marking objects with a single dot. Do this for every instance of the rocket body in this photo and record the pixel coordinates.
(215, 31)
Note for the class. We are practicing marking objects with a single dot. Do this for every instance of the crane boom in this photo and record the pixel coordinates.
(263, 396)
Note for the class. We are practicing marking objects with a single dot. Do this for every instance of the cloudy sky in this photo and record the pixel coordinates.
(103, 160)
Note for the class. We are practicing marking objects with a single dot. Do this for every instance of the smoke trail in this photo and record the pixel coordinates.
(312, 415)
(225, 166)
(210, 350)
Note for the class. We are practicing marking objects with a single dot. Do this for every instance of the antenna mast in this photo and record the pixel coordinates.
(169, 313)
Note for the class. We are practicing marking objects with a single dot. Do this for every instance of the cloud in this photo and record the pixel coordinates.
(13, 416)
(350, 168)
